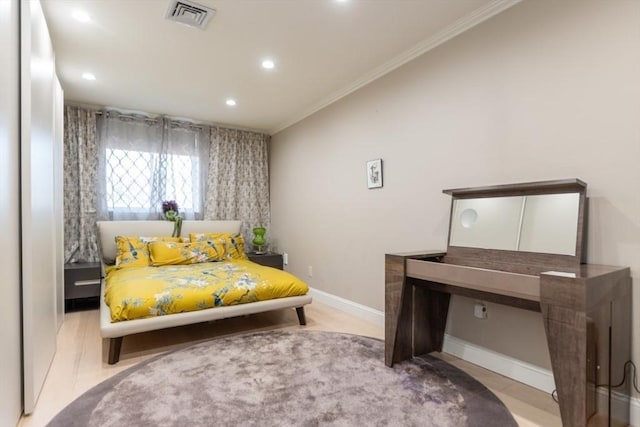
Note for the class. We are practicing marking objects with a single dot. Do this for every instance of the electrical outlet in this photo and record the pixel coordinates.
(285, 258)
(310, 271)
(480, 310)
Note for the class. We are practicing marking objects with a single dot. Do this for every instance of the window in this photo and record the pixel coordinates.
(128, 179)
(131, 180)
(145, 161)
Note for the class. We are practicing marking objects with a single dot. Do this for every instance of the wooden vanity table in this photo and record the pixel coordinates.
(520, 245)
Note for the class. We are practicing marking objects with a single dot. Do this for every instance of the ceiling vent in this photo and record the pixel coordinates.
(190, 13)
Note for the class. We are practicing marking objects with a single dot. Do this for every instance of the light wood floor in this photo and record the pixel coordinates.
(80, 361)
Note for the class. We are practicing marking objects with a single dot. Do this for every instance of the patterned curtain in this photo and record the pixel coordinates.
(80, 185)
(238, 183)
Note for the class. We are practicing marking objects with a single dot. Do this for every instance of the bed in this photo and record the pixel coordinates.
(176, 291)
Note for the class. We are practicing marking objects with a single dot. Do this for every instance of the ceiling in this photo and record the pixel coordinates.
(322, 49)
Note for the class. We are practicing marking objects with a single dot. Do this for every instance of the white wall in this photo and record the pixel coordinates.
(545, 90)
(10, 323)
(39, 215)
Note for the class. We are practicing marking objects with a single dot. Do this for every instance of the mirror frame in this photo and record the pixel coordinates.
(520, 261)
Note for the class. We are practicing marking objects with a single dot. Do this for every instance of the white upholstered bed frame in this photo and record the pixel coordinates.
(108, 230)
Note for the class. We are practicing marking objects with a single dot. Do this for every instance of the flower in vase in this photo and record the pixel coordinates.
(171, 212)
(170, 209)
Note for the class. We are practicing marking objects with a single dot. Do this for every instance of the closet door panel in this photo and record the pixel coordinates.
(58, 178)
(38, 202)
(10, 321)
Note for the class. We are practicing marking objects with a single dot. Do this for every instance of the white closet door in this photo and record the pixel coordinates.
(58, 177)
(10, 321)
(38, 202)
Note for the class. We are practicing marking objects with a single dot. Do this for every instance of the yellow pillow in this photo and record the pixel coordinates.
(234, 243)
(133, 251)
(171, 253)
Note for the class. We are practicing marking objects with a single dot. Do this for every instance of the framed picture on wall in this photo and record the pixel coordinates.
(374, 173)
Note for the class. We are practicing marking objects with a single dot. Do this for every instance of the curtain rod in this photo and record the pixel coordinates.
(99, 111)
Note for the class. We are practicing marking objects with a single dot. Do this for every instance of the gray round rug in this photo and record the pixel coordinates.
(284, 378)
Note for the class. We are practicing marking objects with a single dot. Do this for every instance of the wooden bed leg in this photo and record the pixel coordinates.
(114, 350)
(301, 318)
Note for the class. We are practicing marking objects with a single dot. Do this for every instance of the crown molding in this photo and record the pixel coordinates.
(461, 25)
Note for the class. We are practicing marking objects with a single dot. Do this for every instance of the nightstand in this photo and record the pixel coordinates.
(81, 280)
(269, 259)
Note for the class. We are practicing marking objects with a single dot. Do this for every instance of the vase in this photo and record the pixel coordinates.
(258, 239)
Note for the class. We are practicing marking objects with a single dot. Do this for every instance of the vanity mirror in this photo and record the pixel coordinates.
(546, 223)
(543, 217)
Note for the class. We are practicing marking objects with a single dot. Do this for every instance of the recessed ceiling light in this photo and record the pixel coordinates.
(268, 64)
(231, 102)
(81, 16)
(88, 76)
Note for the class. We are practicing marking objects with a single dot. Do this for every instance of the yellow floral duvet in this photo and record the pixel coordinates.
(134, 293)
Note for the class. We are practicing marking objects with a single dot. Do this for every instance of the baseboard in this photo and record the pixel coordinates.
(510, 367)
(619, 404)
(634, 416)
(518, 370)
(348, 306)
